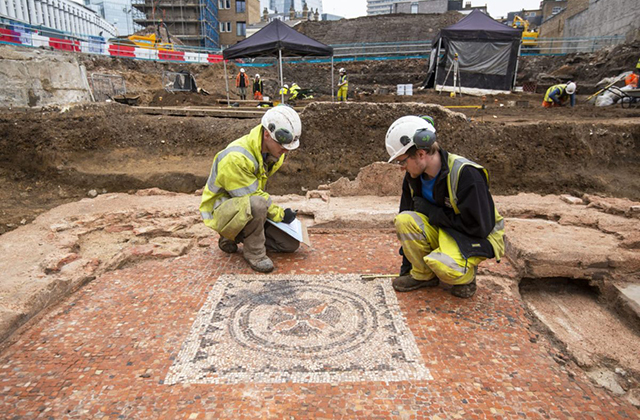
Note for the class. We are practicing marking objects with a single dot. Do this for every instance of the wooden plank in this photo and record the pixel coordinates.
(202, 112)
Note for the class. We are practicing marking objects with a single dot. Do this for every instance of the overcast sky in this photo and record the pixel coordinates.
(497, 8)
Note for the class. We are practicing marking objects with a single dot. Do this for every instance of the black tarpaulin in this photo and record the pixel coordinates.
(477, 25)
(487, 55)
(277, 36)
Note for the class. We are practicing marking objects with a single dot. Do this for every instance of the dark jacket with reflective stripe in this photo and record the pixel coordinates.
(477, 217)
(477, 210)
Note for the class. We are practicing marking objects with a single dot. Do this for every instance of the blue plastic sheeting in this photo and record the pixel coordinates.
(340, 60)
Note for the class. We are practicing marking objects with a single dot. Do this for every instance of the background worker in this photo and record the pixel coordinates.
(632, 79)
(284, 91)
(448, 223)
(257, 88)
(242, 82)
(294, 90)
(343, 85)
(234, 201)
(558, 95)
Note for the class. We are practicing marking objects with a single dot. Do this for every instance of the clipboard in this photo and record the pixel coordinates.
(295, 229)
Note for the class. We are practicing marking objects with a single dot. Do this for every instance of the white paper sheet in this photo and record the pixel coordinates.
(295, 229)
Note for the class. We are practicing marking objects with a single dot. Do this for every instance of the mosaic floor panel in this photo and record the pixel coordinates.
(298, 328)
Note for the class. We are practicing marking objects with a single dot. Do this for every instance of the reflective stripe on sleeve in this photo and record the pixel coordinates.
(239, 192)
(211, 182)
(206, 215)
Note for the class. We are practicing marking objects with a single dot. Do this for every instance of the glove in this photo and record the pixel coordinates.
(289, 216)
(423, 206)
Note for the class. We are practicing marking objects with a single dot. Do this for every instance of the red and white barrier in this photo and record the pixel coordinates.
(114, 50)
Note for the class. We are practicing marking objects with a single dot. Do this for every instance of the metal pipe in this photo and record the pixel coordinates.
(332, 82)
(281, 78)
(226, 79)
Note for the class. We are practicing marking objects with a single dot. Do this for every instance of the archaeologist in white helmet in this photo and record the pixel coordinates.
(558, 95)
(235, 202)
(448, 223)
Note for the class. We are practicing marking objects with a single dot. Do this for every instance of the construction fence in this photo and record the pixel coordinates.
(39, 37)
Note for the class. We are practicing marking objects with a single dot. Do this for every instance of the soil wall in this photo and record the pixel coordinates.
(115, 148)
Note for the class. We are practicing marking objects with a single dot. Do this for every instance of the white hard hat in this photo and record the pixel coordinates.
(571, 88)
(286, 86)
(241, 70)
(257, 76)
(341, 70)
(284, 125)
(409, 131)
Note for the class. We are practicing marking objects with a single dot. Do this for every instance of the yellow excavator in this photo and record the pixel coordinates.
(143, 41)
(529, 37)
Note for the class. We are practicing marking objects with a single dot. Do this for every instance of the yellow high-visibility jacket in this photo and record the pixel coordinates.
(238, 171)
(344, 81)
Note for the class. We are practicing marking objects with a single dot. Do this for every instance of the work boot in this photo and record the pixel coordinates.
(407, 283)
(465, 291)
(263, 265)
(227, 245)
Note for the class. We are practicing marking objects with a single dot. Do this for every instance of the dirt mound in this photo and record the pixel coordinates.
(382, 28)
(585, 68)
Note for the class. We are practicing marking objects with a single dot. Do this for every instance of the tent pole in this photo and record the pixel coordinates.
(226, 80)
(332, 82)
(435, 76)
(281, 78)
(515, 74)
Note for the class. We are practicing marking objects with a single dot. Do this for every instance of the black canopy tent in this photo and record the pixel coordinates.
(278, 39)
(487, 54)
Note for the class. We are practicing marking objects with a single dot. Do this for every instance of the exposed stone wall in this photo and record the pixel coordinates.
(605, 18)
(38, 77)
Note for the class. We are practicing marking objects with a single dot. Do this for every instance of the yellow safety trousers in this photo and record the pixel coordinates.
(342, 93)
(432, 251)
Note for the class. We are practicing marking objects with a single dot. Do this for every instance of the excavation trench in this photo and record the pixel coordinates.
(592, 326)
(49, 157)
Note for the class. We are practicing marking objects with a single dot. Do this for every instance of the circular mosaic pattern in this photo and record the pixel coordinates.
(302, 320)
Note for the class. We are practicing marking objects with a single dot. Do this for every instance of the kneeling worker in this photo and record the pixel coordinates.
(448, 223)
(558, 95)
(234, 201)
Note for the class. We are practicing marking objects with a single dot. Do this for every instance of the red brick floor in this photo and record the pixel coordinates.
(105, 351)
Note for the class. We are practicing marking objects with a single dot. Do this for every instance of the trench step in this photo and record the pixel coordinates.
(629, 295)
(201, 112)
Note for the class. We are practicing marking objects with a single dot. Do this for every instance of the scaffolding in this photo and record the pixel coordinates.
(193, 22)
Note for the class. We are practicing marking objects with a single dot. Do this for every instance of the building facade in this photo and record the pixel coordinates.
(432, 6)
(283, 6)
(233, 18)
(61, 15)
(117, 12)
(534, 17)
(379, 7)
